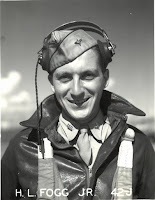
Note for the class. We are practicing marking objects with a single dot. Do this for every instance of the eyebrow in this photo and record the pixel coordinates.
(94, 72)
(90, 71)
(59, 74)
(64, 73)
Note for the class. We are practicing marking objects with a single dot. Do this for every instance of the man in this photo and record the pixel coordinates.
(96, 154)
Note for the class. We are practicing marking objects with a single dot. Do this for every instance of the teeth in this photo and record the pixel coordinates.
(79, 102)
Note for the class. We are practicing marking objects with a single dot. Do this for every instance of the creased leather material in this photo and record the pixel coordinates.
(20, 161)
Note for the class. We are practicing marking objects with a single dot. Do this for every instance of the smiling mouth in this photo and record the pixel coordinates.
(78, 102)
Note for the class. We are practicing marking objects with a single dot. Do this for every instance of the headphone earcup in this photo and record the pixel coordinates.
(107, 49)
(105, 52)
(44, 61)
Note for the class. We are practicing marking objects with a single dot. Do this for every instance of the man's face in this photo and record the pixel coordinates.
(78, 87)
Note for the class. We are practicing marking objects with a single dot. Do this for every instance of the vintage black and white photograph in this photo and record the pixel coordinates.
(77, 100)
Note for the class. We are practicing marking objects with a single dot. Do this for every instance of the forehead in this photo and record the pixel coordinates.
(90, 60)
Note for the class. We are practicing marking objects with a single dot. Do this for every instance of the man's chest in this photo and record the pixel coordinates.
(82, 182)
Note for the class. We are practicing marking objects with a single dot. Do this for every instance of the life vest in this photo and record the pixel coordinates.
(50, 186)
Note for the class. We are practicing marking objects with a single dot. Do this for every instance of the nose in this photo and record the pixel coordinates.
(77, 90)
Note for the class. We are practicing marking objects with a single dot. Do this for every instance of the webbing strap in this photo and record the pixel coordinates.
(50, 186)
(122, 182)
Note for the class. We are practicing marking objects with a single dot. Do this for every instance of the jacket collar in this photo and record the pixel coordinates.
(110, 103)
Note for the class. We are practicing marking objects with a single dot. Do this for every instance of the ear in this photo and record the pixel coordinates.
(50, 78)
(106, 78)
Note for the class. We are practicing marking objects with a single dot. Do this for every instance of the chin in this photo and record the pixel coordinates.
(81, 117)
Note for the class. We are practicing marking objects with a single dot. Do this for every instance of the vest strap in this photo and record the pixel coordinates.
(50, 186)
(122, 181)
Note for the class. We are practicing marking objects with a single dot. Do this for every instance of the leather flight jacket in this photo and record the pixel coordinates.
(20, 161)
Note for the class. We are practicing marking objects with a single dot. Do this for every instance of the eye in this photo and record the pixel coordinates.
(88, 76)
(65, 78)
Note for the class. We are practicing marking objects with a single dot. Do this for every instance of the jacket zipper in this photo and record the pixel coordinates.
(89, 175)
(88, 172)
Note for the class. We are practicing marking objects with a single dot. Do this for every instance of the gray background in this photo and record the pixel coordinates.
(24, 24)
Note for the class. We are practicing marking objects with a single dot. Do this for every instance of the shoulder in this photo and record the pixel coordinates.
(140, 137)
(21, 136)
(142, 146)
(21, 150)
(141, 140)
(19, 141)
